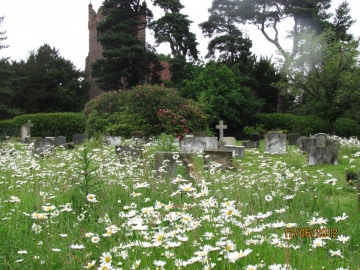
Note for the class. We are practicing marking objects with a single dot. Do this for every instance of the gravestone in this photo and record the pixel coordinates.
(196, 144)
(112, 140)
(319, 155)
(321, 138)
(189, 136)
(275, 143)
(43, 147)
(25, 131)
(251, 144)
(299, 141)
(293, 137)
(45, 134)
(229, 141)
(254, 137)
(222, 158)
(306, 143)
(169, 163)
(60, 141)
(237, 151)
(124, 151)
(79, 138)
(221, 128)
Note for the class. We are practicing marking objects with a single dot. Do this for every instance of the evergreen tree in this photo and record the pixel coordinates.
(227, 40)
(342, 22)
(174, 28)
(7, 109)
(46, 82)
(127, 61)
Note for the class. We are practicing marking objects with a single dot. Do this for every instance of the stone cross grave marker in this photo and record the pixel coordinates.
(221, 128)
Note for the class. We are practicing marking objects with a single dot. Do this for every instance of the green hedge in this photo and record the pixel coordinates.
(306, 125)
(59, 124)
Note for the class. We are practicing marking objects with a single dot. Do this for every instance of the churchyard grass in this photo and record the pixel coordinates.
(85, 208)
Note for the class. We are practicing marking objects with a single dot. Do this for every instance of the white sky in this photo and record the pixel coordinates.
(63, 24)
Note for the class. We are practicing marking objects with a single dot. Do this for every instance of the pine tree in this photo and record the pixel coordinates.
(127, 60)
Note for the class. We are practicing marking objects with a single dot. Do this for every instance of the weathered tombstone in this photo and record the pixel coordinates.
(137, 135)
(254, 137)
(25, 131)
(299, 142)
(128, 151)
(221, 128)
(43, 147)
(60, 141)
(275, 143)
(293, 137)
(322, 155)
(79, 138)
(237, 151)
(112, 140)
(229, 140)
(222, 158)
(45, 134)
(195, 144)
(189, 136)
(251, 144)
(168, 163)
(306, 143)
(321, 138)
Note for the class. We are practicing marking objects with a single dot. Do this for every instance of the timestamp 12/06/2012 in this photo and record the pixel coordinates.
(311, 232)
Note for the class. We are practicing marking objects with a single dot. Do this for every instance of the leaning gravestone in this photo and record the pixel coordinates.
(237, 151)
(169, 163)
(254, 137)
(275, 143)
(293, 137)
(25, 131)
(223, 158)
(60, 141)
(44, 147)
(319, 155)
(79, 138)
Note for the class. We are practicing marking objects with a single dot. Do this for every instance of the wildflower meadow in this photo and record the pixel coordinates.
(88, 208)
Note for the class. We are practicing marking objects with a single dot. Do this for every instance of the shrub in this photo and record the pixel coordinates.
(59, 124)
(275, 121)
(151, 109)
(346, 127)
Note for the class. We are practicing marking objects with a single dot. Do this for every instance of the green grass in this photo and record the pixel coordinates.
(236, 211)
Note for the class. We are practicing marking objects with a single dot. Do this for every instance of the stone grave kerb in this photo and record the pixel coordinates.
(221, 128)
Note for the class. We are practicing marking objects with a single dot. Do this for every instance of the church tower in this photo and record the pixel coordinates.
(95, 49)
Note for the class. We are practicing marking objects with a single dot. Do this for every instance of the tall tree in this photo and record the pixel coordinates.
(174, 28)
(127, 61)
(46, 82)
(227, 40)
(268, 14)
(326, 76)
(7, 109)
(342, 22)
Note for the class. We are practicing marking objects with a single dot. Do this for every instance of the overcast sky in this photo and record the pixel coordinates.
(63, 24)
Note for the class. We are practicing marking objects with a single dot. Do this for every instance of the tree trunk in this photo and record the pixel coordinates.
(280, 103)
(332, 126)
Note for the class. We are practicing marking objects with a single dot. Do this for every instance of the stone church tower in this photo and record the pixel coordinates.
(95, 49)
